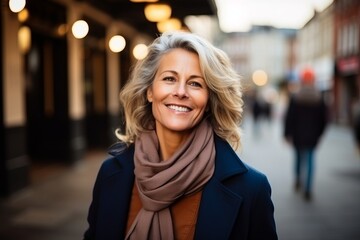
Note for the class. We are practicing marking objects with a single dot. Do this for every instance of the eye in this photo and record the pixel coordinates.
(169, 78)
(195, 84)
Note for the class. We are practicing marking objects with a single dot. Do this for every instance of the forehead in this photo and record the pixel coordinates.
(179, 56)
(179, 51)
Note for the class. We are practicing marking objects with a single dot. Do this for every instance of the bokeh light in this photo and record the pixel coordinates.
(157, 12)
(80, 29)
(260, 78)
(171, 24)
(23, 15)
(140, 51)
(117, 43)
(17, 5)
(24, 36)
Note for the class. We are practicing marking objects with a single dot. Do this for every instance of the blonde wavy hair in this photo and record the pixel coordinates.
(225, 92)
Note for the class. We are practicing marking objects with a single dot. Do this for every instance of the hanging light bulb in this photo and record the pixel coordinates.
(169, 25)
(23, 15)
(62, 29)
(157, 12)
(80, 29)
(17, 5)
(24, 36)
(140, 51)
(117, 43)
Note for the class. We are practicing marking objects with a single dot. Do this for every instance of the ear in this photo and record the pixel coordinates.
(149, 94)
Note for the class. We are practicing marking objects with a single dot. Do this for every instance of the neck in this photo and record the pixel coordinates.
(170, 141)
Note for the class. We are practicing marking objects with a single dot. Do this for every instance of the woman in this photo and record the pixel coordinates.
(174, 175)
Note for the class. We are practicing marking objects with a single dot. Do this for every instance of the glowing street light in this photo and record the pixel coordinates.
(117, 43)
(80, 29)
(140, 51)
(169, 25)
(260, 78)
(157, 12)
(17, 5)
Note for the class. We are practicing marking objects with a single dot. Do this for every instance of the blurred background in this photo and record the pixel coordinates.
(63, 63)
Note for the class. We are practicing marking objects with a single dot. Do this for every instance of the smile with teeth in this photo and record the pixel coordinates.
(179, 108)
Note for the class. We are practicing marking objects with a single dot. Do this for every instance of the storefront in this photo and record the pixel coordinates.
(55, 102)
(347, 86)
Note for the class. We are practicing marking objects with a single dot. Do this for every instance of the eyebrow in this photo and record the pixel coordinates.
(176, 73)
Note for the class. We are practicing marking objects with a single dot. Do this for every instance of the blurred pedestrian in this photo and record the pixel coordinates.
(261, 110)
(305, 122)
(175, 174)
(257, 111)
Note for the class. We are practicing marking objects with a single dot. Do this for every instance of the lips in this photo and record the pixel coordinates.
(179, 108)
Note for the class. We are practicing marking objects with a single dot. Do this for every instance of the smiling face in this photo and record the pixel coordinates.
(179, 94)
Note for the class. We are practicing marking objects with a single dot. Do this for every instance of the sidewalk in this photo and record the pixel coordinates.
(56, 208)
(334, 212)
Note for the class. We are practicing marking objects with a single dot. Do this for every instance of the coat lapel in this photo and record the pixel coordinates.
(220, 205)
(118, 187)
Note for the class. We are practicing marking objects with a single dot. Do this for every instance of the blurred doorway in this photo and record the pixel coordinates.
(95, 86)
(46, 84)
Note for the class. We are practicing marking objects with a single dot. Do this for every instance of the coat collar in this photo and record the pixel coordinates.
(227, 162)
(220, 204)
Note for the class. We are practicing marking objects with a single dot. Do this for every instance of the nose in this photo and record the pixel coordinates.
(180, 90)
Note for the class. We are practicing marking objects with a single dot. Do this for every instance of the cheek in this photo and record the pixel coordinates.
(158, 92)
(205, 102)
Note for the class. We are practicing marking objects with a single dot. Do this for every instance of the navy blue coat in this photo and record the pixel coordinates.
(235, 204)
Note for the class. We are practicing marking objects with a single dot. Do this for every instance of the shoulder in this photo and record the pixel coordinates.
(254, 173)
(251, 183)
(117, 161)
(232, 170)
(257, 180)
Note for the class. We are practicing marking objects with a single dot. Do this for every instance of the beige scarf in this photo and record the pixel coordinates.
(160, 183)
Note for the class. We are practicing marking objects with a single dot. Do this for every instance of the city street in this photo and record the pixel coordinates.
(56, 208)
(70, 75)
(334, 212)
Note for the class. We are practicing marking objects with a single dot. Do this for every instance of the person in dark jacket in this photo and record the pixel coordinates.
(305, 122)
(175, 173)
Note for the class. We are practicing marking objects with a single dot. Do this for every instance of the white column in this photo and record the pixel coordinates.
(113, 73)
(14, 77)
(76, 69)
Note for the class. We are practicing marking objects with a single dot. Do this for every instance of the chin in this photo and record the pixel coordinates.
(180, 127)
